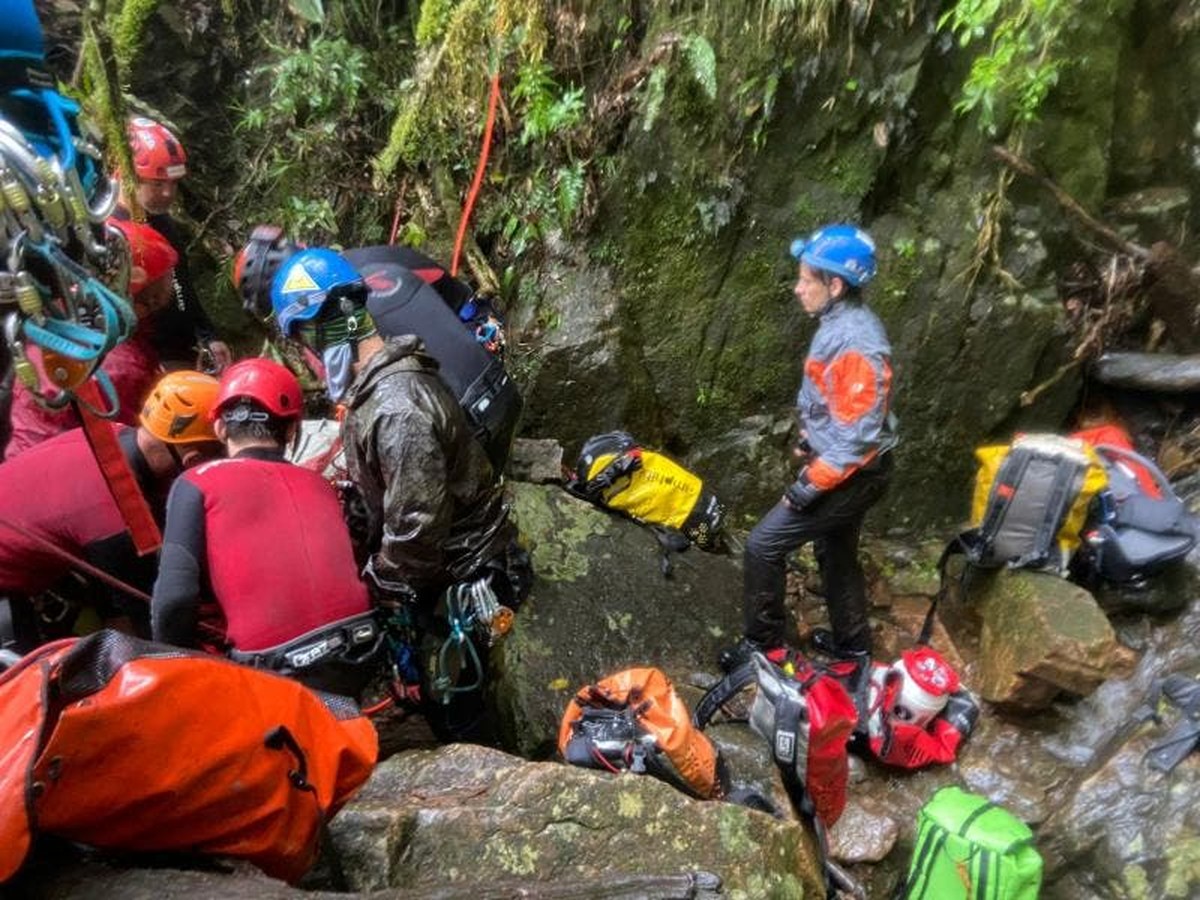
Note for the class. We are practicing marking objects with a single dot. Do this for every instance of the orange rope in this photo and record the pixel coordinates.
(493, 100)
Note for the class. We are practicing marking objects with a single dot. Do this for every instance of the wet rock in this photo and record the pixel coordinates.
(1159, 211)
(1128, 832)
(1042, 635)
(433, 818)
(600, 604)
(584, 380)
(1160, 372)
(1164, 594)
(748, 761)
(84, 880)
(862, 835)
(536, 460)
(749, 465)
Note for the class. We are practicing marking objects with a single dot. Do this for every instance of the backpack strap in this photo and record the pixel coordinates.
(670, 542)
(721, 692)
(1012, 470)
(619, 467)
(965, 544)
(1067, 481)
(1184, 737)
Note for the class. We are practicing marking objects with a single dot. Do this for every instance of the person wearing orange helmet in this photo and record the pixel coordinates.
(131, 367)
(55, 496)
(257, 562)
(159, 163)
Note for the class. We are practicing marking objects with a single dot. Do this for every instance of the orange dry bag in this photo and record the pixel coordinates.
(634, 721)
(127, 745)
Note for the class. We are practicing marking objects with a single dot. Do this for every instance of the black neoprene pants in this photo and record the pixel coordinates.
(833, 521)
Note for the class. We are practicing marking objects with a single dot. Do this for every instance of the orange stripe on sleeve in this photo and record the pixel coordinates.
(824, 476)
(852, 392)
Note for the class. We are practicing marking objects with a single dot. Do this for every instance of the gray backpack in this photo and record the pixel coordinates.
(1139, 524)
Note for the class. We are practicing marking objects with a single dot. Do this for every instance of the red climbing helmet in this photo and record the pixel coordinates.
(157, 153)
(151, 256)
(266, 382)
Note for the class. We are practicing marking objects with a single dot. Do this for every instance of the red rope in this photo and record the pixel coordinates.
(75, 562)
(396, 218)
(493, 100)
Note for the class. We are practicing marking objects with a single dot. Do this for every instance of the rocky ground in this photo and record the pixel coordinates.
(1058, 744)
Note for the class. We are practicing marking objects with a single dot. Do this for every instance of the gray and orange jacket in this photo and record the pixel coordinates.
(845, 398)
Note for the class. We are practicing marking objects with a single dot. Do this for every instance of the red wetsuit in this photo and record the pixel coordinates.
(57, 491)
(255, 554)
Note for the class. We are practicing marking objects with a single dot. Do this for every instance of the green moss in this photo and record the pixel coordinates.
(129, 31)
(435, 16)
(571, 522)
(734, 828)
(1183, 867)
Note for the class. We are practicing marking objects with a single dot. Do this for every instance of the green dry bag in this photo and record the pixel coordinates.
(970, 849)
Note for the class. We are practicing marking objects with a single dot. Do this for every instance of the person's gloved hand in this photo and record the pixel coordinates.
(962, 712)
(800, 493)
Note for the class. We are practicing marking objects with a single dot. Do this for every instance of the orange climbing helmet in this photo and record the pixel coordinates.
(179, 408)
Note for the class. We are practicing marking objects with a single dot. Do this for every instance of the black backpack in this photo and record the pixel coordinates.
(420, 301)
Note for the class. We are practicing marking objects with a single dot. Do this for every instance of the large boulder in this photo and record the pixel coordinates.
(1042, 635)
(432, 818)
(600, 603)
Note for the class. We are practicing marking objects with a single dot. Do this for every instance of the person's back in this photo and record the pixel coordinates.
(276, 552)
(257, 561)
(56, 492)
(439, 515)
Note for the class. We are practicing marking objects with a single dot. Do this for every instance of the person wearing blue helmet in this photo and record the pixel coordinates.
(846, 433)
(436, 516)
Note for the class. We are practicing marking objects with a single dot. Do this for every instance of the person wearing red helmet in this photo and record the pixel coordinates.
(159, 163)
(256, 561)
(132, 366)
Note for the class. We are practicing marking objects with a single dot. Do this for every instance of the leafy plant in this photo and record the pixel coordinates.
(1008, 84)
(307, 117)
(546, 109)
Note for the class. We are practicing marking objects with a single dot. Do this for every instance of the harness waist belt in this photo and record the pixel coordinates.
(315, 646)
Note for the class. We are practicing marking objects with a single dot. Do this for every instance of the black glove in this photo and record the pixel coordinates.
(800, 493)
(962, 712)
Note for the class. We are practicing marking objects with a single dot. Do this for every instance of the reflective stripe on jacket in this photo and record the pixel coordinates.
(845, 398)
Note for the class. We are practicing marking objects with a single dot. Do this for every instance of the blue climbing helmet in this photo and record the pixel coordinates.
(307, 279)
(21, 34)
(39, 115)
(842, 250)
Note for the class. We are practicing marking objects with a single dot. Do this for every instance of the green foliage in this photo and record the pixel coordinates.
(129, 30)
(435, 17)
(309, 10)
(309, 89)
(546, 109)
(309, 115)
(702, 60)
(656, 93)
(1027, 51)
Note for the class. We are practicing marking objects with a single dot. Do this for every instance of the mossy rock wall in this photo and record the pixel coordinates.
(673, 316)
